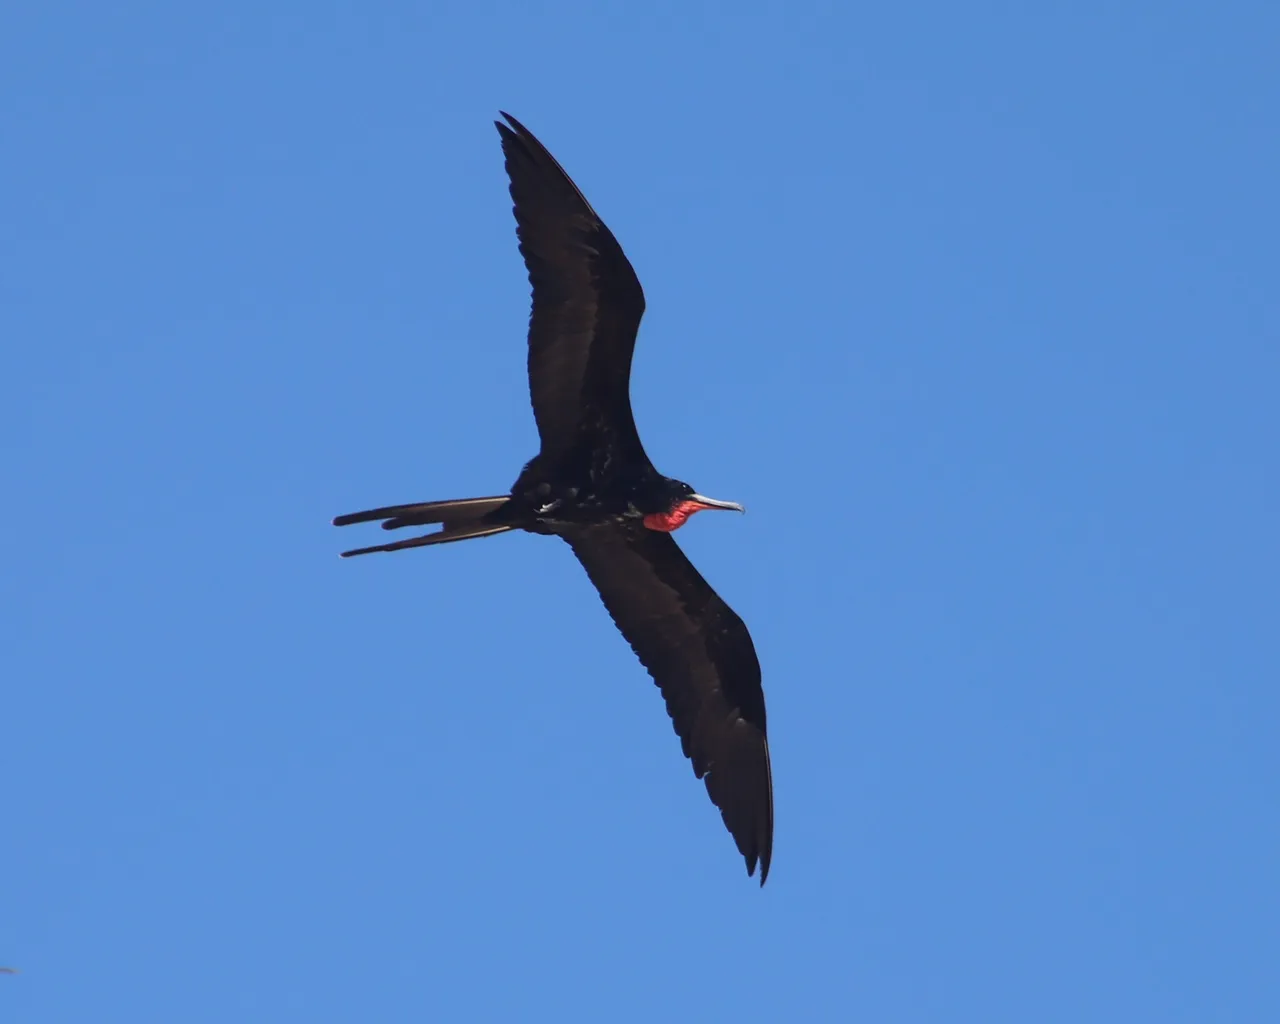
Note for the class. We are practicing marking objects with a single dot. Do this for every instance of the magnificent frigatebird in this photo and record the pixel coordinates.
(593, 485)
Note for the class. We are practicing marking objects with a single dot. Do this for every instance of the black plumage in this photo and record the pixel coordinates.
(592, 484)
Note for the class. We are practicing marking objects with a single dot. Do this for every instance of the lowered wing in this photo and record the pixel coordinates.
(701, 657)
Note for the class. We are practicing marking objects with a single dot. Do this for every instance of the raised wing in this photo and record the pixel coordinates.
(701, 656)
(587, 305)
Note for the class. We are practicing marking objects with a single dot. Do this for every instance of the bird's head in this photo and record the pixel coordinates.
(674, 502)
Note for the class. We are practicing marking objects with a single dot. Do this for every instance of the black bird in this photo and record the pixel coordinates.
(593, 485)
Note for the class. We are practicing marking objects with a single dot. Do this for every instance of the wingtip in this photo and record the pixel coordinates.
(764, 868)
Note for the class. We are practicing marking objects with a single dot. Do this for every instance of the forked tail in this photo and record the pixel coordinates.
(461, 520)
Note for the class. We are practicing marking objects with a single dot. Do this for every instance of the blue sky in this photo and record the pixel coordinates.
(972, 305)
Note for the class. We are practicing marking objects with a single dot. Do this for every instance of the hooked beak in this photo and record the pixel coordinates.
(711, 503)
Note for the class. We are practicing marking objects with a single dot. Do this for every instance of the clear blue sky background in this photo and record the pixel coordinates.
(974, 308)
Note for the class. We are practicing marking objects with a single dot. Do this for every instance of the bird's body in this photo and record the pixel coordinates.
(593, 485)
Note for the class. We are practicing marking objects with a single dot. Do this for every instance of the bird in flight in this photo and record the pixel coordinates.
(592, 485)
